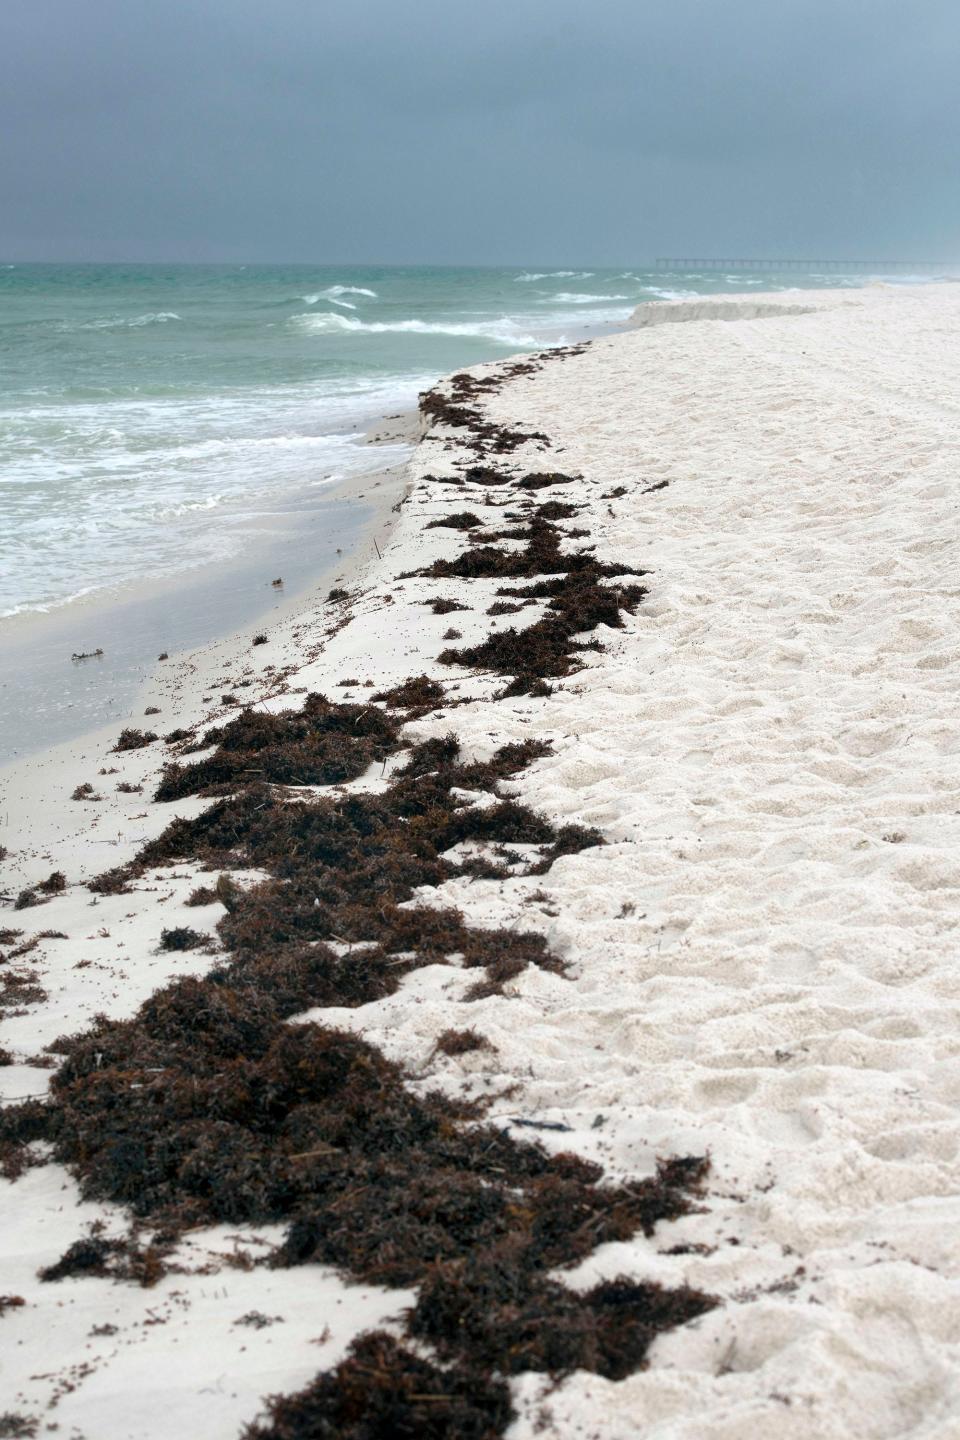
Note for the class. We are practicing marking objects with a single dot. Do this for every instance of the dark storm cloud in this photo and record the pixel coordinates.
(497, 131)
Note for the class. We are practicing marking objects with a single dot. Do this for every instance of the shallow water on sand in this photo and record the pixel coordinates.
(48, 695)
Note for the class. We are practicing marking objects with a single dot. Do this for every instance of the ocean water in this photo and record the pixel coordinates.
(148, 413)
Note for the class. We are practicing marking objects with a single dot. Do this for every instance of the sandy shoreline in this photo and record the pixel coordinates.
(761, 954)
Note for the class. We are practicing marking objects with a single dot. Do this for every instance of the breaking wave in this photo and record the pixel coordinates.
(117, 322)
(335, 292)
(664, 294)
(313, 299)
(502, 332)
(555, 275)
(568, 297)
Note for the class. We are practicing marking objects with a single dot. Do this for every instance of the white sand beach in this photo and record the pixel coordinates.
(763, 956)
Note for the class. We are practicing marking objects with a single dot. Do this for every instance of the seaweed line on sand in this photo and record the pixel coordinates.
(208, 1106)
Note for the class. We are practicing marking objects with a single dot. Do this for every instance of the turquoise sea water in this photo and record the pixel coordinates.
(147, 411)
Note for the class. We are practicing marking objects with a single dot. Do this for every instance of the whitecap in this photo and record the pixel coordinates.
(335, 293)
(186, 507)
(502, 332)
(555, 275)
(159, 317)
(568, 297)
(351, 290)
(664, 294)
(114, 322)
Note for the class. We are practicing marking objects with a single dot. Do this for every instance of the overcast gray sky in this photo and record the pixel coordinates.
(478, 131)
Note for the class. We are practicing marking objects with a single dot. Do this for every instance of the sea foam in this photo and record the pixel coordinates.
(555, 275)
(568, 297)
(335, 292)
(502, 332)
(134, 322)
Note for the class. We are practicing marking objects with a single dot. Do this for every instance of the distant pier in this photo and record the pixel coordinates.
(738, 262)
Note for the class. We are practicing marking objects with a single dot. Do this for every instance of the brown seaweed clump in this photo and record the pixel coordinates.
(581, 593)
(548, 648)
(55, 884)
(382, 1391)
(443, 606)
(14, 1426)
(322, 744)
(230, 1115)
(420, 694)
(461, 1042)
(347, 866)
(181, 937)
(509, 1321)
(455, 404)
(463, 520)
(129, 739)
(120, 1259)
(20, 1126)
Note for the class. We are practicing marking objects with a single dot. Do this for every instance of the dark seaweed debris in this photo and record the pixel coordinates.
(541, 480)
(485, 436)
(464, 520)
(445, 607)
(203, 895)
(461, 1042)
(17, 1427)
(134, 739)
(181, 937)
(382, 1391)
(20, 1125)
(581, 594)
(208, 1106)
(578, 604)
(55, 884)
(121, 1259)
(508, 1320)
(454, 403)
(323, 744)
(420, 693)
(344, 866)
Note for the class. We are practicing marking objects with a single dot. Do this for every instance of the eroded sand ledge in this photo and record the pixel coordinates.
(731, 307)
(764, 952)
